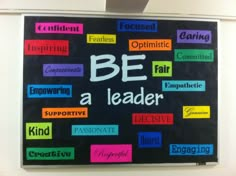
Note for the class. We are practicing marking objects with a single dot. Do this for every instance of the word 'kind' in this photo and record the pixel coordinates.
(39, 130)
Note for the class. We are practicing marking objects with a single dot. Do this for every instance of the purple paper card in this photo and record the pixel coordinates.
(63, 70)
(194, 36)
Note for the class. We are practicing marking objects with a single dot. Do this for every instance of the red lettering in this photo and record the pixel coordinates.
(152, 118)
(46, 47)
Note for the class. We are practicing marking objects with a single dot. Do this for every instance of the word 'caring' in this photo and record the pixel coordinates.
(194, 36)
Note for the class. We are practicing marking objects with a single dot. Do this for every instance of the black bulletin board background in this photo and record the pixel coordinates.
(196, 131)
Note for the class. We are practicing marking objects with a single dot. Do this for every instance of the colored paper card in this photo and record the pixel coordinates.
(149, 139)
(196, 112)
(150, 45)
(46, 47)
(49, 91)
(37, 131)
(65, 113)
(194, 55)
(161, 68)
(152, 119)
(101, 38)
(183, 86)
(50, 153)
(63, 70)
(136, 26)
(111, 153)
(191, 149)
(95, 130)
(194, 36)
(58, 28)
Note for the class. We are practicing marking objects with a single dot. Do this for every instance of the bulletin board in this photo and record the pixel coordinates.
(115, 90)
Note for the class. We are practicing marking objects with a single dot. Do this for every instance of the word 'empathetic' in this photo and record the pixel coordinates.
(183, 86)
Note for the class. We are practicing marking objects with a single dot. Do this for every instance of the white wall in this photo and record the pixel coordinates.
(198, 7)
(10, 69)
